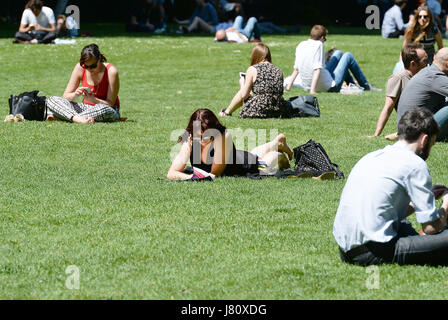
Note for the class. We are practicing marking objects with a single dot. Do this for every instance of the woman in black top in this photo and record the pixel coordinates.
(423, 30)
(208, 145)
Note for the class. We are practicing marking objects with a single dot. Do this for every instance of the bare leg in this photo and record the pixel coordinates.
(276, 159)
(278, 145)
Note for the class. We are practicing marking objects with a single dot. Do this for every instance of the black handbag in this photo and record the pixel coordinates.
(304, 106)
(312, 157)
(28, 104)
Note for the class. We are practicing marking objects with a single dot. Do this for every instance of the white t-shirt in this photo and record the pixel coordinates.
(234, 37)
(310, 56)
(44, 19)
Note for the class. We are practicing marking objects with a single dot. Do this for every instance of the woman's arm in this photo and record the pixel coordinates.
(177, 167)
(439, 40)
(294, 75)
(223, 148)
(72, 91)
(243, 93)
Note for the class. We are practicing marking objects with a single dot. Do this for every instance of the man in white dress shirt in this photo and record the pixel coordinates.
(384, 188)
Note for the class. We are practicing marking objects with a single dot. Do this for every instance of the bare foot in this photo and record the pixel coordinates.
(79, 119)
(51, 117)
(392, 136)
(283, 146)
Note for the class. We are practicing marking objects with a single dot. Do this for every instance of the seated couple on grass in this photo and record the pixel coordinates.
(99, 89)
(208, 146)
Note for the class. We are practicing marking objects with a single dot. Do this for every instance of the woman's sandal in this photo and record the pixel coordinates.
(225, 113)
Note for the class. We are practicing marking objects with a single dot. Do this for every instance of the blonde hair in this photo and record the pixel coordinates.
(259, 54)
(318, 31)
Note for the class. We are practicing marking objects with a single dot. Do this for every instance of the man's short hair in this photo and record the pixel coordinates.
(415, 122)
(317, 31)
(400, 2)
(409, 53)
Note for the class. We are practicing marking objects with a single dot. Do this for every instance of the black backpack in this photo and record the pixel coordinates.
(311, 157)
(31, 106)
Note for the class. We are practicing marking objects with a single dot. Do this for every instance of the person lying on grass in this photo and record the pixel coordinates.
(99, 88)
(208, 146)
(265, 80)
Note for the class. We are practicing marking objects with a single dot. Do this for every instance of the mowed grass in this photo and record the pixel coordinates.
(95, 196)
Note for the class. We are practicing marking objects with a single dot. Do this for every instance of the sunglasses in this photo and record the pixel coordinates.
(92, 66)
(422, 17)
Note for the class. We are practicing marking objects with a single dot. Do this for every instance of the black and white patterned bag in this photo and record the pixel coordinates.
(311, 157)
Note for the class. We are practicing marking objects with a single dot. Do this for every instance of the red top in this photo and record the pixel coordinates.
(100, 90)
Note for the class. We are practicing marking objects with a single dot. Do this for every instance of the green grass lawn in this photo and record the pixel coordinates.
(94, 196)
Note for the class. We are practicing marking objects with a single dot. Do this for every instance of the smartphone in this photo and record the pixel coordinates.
(242, 74)
(86, 89)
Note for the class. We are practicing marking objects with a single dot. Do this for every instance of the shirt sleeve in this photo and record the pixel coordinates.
(319, 58)
(399, 21)
(420, 192)
(393, 87)
(25, 18)
(50, 16)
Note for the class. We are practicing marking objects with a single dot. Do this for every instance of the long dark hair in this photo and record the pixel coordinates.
(91, 51)
(208, 121)
(411, 31)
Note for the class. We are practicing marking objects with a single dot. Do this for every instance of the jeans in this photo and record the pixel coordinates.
(340, 65)
(441, 118)
(407, 248)
(251, 27)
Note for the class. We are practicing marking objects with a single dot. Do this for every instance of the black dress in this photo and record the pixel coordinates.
(242, 164)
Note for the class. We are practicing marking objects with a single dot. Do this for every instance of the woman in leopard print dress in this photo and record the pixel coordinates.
(266, 82)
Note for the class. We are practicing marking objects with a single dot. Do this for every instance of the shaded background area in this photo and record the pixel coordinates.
(347, 13)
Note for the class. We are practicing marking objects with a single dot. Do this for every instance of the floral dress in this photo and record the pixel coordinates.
(267, 100)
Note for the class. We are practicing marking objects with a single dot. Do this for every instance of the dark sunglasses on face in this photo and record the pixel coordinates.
(92, 66)
(420, 17)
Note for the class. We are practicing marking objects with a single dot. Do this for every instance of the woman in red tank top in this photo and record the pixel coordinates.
(99, 89)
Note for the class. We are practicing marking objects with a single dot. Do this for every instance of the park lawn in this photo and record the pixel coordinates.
(95, 196)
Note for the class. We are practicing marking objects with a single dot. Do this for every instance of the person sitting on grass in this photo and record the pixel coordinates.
(266, 82)
(414, 59)
(99, 88)
(383, 189)
(203, 19)
(315, 75)
(428, 89)
(37, 25)
(237, 33)
(208, 145)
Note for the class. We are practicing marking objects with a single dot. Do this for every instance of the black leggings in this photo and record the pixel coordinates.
(39, 35)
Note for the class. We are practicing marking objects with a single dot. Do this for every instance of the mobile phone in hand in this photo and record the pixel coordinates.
(86, 89)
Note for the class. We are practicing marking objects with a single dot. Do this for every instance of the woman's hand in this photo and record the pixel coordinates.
(89, 96)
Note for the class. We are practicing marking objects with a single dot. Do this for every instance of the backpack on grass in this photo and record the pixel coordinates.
(311, 157)
(28, 104)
